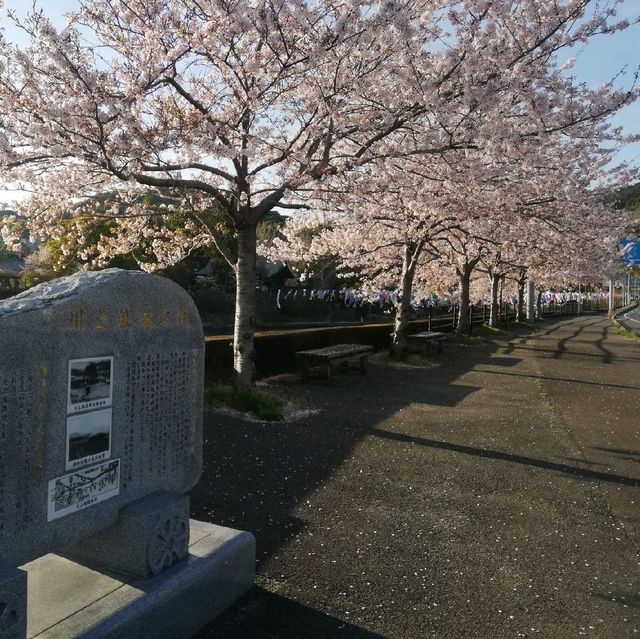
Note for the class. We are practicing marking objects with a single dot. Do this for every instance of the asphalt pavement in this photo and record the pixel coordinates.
(492, 496)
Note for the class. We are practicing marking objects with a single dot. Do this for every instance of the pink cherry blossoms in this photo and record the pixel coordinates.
(418, 125)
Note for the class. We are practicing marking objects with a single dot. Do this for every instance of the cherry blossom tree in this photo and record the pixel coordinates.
(463, 251)
(505, 216)
(231, 105)
(383, 230)
(240, 106)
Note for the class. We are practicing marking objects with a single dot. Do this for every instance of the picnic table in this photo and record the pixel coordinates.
(339, 353)
(422, 342)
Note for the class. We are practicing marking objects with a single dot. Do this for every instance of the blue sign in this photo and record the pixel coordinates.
(631, 251)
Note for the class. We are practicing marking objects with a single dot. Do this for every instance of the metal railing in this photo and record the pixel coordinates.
(446, 320)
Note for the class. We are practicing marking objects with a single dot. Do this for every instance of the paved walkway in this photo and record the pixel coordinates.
(494, 496)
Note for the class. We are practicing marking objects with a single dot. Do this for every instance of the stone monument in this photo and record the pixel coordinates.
(101, 379)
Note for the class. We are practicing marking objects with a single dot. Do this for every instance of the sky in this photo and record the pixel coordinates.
(598, 61)
(602, 58)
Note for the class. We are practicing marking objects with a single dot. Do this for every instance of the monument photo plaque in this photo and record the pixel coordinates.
(83, 488)
(90, 384)
(88, 438)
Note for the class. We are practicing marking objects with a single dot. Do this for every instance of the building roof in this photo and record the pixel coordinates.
(12, 265)
(206, 271)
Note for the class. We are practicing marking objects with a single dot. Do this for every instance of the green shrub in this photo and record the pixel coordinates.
(262, 404)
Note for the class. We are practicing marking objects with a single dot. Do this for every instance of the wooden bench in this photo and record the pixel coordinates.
(340, 353)
(422, 342)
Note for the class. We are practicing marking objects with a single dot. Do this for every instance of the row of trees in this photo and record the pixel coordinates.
(422, 227)
(421, 128)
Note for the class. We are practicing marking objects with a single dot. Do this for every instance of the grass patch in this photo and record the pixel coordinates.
(485, 329)
(627, 333)
(380, 357)
(264, 405)
(411, 359)
(467, 340)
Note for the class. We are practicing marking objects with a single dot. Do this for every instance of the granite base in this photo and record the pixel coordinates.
(68, 600)
(13, 602)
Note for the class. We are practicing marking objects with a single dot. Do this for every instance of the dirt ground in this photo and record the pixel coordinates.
(493, 496)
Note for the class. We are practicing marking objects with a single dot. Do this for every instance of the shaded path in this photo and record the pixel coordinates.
(494, 496)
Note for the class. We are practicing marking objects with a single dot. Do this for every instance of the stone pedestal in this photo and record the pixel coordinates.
(151, 535)
(70, 601)
(13, 602)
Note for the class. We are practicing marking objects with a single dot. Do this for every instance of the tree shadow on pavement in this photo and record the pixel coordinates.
(630, 455)
(262, 614)
(256, 473)
(589, 325)
(592, 331)
(257, 476)
(575, 471)
(550, 353)
(607, 355)
(559, 379)
(562, 343)
(625, 598)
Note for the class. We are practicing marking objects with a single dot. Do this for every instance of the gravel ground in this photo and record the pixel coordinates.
(492, 496)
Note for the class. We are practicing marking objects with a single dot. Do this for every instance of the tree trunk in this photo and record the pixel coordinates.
(521, 284)
(399, 340)
(245, 321)
(539, 304)
(464, 278)
(493, 313)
